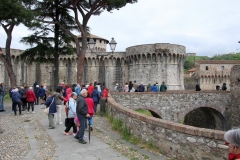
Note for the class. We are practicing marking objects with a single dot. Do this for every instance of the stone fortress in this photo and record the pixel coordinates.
(143, 63)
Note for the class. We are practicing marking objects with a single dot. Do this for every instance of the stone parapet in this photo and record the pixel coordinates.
(173, 139)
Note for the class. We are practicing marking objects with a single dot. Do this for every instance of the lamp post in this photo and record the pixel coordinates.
(222, 73)
(92, 43)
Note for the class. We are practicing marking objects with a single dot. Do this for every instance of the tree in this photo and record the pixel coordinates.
(45, 48)
(86, 8)
(12, 13)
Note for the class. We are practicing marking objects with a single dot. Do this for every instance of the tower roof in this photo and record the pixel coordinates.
(94, 37)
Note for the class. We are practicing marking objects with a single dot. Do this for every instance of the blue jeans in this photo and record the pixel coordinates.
(95, 107)
(82, 119)
(1, 102)
(90, 122)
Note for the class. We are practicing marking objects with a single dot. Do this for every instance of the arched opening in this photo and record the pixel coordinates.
(149, 112)
(206, 117)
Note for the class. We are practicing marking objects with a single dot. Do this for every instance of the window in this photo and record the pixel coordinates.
(206, 68)
(222, 68)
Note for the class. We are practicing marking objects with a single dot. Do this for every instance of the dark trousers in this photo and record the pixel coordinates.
(95, 107)
(24, 103)
(15, 107)
(32, 105)
(71, 124)
(82, 120)
(37, 101)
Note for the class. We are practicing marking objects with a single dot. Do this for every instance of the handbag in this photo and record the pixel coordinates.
(46, 110)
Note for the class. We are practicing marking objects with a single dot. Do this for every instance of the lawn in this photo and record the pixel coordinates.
(146, 112)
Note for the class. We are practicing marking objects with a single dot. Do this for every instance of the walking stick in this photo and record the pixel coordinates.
(89, 130)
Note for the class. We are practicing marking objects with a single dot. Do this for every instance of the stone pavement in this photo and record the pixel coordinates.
(28, 137)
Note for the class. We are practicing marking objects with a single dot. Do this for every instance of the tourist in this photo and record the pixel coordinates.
(154, 88)
(126, 89)
(71, 114)
(135, 85)
(90, 88)
(158, 86)
(232, 138)
(16, 99)
(46, 90)
(130, 86)
(141, 87)
(37, 93)
(2, 94)
(90, 104)
(132, 90)
(96, 97)
(116, 88)
(59, 101)
(42, 94)
(82, 114)
(99, 88)
(198, 87)
(224, 87)
(78, 89)
(105, 92)
(31, 98)
(35, 85)
(149, 87)
(23, 92)
(163, 87)
(95, 83)
(51, 103)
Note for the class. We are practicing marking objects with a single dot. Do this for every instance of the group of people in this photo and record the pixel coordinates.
(134, 87)
(80, 104)
(23, 97)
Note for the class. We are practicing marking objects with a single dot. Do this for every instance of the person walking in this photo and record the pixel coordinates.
(163, 87)
(16, 99)
(2, 94)
(141, 87)
(31, 98)
(130, 86)
(71, 114)
(96, 97)
(42, 94)
(82, 114)
(23, 92)
(105, 92)
(59, 102)
(78, 89)
(51, 103)
(90, 88)
(37, 94)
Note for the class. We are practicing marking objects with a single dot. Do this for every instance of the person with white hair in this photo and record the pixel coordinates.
(31, 98)
(16, 99)
(82, 114)
(232, 138)
(141, 87)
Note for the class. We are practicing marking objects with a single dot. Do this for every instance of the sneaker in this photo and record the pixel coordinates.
(76, 137)
(66, 133)
(27, 112)
(82, 141)
(74, 134)
(33, 112)
(52, 127)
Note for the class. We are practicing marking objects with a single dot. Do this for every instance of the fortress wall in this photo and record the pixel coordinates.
(172, 139)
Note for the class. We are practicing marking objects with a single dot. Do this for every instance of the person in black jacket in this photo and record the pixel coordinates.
(82, 114)
(130, 85)
(224, 87)
(198, 87)
(141, 87)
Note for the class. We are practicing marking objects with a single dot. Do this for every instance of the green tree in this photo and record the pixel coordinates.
(83, 10)
(12, 13)
(45, 48)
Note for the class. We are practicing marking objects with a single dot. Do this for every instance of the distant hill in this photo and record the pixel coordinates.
(190, 60)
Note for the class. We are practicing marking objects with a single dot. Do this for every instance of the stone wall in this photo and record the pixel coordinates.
(174, 140)
(234, 111)
(174, 105)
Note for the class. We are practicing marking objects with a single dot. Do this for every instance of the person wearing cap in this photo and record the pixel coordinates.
(37, 93)
(31, 98)
(16, 99)
(163, 87)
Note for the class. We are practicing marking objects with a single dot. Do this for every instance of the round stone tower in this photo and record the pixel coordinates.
(156, 63)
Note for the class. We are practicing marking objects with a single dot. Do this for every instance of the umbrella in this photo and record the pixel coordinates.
(89, 130)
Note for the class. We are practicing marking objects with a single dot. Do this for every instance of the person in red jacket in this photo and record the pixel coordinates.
(105, 92)
(31, 98)
(90, 89)
(90, 105)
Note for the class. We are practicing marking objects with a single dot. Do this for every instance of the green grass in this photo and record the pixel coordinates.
(146, 112)
(7, 98)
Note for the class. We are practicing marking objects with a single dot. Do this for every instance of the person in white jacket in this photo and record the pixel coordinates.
(71, 115)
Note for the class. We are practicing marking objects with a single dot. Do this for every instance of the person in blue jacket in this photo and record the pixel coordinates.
(96, 97)
(154, 88)
(37, 93)
(16, 99)
(51, 103)
(42, 94)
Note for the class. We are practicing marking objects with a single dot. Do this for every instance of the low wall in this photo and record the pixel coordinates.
(174, 140)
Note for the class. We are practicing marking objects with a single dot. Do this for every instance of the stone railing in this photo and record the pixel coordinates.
(173, 139)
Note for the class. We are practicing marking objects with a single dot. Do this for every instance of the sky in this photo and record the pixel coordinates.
(204, 27)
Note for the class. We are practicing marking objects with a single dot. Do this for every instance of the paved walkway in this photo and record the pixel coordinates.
(28, 137)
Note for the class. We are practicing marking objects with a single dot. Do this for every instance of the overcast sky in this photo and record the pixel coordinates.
(205, 27)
